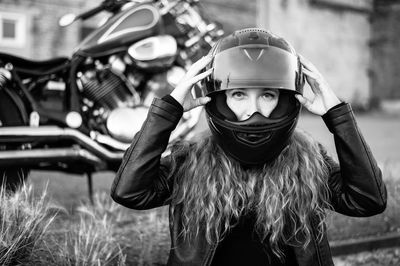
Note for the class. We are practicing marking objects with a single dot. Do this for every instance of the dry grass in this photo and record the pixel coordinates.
(34, 232)
(90, 242)
(342, 227)
(88, 237)
(24, 220)
(381, 257)
(105, 233)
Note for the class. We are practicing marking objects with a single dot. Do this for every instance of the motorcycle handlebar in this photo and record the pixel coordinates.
(109, 5)
(91, 12)
(208, 36)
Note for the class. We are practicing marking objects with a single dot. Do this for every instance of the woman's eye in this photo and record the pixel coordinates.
(269, 95)
(237, 94)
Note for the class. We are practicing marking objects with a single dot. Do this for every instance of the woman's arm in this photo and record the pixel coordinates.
(356, 185)
(142, 179)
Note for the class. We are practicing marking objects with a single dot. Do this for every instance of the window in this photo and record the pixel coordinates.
(12, 29)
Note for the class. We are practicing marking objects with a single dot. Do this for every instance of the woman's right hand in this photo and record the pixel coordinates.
(182, 91)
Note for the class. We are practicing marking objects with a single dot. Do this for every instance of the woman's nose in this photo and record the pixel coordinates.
(253, 107)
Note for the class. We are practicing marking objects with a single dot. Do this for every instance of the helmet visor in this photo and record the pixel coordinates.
(253, 66)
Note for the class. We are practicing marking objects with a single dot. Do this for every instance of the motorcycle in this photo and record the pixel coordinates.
(79, 114)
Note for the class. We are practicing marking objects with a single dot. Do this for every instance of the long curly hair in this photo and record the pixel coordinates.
(215, 191)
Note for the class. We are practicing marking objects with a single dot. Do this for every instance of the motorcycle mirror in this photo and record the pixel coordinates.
(67, 19)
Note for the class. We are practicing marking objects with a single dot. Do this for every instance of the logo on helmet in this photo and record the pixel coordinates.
(254, 54)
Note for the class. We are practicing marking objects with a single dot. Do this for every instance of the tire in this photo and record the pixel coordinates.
(10, 115)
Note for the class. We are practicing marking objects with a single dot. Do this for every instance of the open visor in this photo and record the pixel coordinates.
(254, 66)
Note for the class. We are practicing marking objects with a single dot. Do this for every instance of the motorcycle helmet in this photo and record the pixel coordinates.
(253, 58)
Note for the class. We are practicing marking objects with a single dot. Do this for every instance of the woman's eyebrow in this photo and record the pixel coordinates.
(238, 89)
(271, 90)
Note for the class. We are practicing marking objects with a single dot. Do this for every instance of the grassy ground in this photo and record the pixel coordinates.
(383, 257)
(107, 234)
(144, 235)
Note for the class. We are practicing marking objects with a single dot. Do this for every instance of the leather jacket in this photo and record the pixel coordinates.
(142, 181)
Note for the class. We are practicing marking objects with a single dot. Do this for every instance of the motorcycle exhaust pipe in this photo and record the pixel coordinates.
(34, 157)
(48, 134)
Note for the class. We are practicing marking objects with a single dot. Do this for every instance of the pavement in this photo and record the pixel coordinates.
(380, 130)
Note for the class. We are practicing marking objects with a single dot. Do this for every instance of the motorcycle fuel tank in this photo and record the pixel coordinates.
(154, 53)
(133, 24)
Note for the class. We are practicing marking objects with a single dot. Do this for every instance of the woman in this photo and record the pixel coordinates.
(254, 191)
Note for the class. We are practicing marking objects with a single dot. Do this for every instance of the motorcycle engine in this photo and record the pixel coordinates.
(106, 89)
(113, 105)
(110, 103)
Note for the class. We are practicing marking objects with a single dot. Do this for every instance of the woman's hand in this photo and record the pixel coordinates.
(324, 98)
(182, 91)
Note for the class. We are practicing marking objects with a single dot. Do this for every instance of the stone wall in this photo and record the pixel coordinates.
(233, 14)
(385, 52)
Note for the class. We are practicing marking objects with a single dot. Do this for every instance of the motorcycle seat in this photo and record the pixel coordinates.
(32, 67)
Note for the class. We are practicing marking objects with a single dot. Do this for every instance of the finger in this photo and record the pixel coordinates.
(201, 101)
(201, 76)
(311, 74)
(303, 100)
(188, 83)
(307, 64)
(304, 61)
(317, 82)
(181, 91)
(198, 66)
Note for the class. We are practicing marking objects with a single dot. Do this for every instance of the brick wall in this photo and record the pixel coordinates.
(45, 39)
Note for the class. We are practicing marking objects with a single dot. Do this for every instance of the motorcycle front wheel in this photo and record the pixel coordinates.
(10, 115)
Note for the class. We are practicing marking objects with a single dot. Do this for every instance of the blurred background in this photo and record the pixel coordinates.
(354, 43)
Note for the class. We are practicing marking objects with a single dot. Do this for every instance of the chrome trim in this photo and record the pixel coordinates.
(109, 141)
(37, 156)
(163, 46)
(109, 35)
(4, 75)
(123, 123)
(52, 133)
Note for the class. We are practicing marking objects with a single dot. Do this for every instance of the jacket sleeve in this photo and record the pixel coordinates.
(356, 185)
(142, 178)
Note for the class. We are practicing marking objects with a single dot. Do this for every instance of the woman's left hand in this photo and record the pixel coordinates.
(324, 98)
